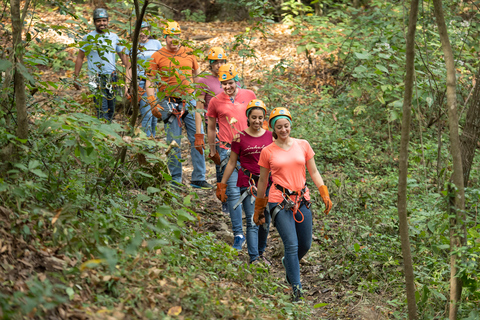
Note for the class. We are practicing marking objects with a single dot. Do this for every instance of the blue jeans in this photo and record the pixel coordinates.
(149, 122)
(233, 194)
(174, 132)
(256, 235)
(297, 239)
(105, 99)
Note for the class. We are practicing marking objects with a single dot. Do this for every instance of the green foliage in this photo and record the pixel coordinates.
(196, 16)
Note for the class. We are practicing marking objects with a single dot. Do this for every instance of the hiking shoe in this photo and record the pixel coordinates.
(201, 185)
(177, 186)
(298, 296)
(264, 260)
(225, 207)
(238, 242)
(286, 276)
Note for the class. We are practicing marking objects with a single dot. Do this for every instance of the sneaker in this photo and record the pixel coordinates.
(264, 260)
(225, 207)
(201, 185)
(298, 296)
(286, 276)
(256, 261)
(238, 242)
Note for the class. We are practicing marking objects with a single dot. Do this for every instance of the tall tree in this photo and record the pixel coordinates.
(471, 131)
(19, 80)
(457, 220)
(403, 161)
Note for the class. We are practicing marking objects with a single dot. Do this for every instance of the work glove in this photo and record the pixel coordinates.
(155, 107)
(221, 189)
(326, 198)
(216, 158)
(259, 213)
(199, 142)
(140, 93)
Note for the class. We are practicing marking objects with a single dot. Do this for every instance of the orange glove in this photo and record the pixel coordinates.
(221, 189)
(326, 198)
(155, 107)
(216, 158)
(140, 94)
(199, 142)
(259, 213)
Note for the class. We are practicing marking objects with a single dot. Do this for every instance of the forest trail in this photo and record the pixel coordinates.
(271, 49)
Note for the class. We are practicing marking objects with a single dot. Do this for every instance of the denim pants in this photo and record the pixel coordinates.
(297, 239)
(256, 235)
(233, 194)
(149, 122)
(174, 132)
(104, 98)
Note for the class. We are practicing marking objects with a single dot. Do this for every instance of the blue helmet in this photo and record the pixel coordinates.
(145, 24)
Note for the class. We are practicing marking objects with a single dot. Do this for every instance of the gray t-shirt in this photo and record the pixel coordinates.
(100, 49)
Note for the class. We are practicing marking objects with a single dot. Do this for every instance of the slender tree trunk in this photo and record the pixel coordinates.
(457, 222)
(19, 81)
(471, 131)
(134, 84)
(403, 161)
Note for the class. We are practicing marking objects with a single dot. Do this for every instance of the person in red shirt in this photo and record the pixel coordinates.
(177, 68)
(208, 87)
(246, 147)
(289, 197)
(228, 108)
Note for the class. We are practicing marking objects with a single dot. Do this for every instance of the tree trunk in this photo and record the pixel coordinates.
(134, 84)
(19, 81)
(403, 161)
(471, 131)
(457, 222)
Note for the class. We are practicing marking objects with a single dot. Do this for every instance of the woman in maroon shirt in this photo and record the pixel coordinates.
(246, 148)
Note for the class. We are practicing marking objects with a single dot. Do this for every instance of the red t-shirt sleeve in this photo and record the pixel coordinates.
(212, 108)
(236, 144)
(264, 160)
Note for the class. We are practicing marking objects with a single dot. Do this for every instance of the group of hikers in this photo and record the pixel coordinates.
(258, 171)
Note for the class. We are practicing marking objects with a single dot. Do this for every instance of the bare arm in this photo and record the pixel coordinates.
(79, 62)
(262, 182)
(312, 169)
(232, 163)
(211, 135)
(149, 88)
(195, 74)
(200, 114)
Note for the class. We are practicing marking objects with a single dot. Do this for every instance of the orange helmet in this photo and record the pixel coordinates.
(171, 28)
(256, 103)
(217, 53)
(281, 111)
(227, 71)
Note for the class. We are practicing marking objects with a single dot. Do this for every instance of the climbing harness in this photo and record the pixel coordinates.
(289, 204)
(251, 190)
(100, 82)
(173, 110)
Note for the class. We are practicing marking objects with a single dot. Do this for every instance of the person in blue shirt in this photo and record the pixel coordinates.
(100, 47)
(146, 47)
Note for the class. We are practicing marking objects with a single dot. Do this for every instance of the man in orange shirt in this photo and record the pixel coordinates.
(177, 68)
